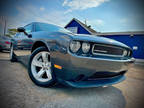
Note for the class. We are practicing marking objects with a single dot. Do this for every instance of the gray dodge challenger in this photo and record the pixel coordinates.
(53, 54)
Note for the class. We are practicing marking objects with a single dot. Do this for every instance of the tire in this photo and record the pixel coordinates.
(39, 68)
(12, 55)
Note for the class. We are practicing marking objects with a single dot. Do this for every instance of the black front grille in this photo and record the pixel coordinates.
(107, 50)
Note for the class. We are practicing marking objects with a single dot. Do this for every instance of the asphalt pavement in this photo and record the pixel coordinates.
(18, 91)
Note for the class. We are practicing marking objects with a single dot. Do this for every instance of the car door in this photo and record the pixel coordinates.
(24, 43)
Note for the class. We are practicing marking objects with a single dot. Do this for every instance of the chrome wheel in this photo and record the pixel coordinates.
(41, 66)
(11, 53)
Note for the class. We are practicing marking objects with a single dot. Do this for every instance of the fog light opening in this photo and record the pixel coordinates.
(79, 77)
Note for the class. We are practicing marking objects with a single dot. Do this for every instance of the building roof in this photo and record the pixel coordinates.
(93, 32)
(88, 28)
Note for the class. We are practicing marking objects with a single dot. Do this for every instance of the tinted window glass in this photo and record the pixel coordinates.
(28, 28)
(49, 27)
(16, 35)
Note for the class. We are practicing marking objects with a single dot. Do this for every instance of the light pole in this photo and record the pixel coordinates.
(5, 26)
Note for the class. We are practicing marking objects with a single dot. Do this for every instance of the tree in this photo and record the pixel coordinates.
(11, 32)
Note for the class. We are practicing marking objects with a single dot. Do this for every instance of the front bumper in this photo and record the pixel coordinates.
(73, 66)
(94, 83)
(76, 70)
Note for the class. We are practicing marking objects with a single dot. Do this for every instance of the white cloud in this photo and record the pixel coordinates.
(99, 22)
(82, 4)
(42, 8)
(28, 14)
(96, 22)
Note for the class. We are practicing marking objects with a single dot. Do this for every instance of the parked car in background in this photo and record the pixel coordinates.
(5, 43)
(57, 55)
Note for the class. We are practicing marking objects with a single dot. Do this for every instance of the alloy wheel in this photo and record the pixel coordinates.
(41, 66)
(11, 52)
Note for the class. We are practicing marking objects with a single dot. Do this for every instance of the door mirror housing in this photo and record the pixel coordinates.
(29, 35)
(20, 29)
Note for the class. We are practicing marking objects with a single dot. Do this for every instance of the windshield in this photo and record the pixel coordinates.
(50, 27)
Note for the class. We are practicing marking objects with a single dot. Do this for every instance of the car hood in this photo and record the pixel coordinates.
(98, 39)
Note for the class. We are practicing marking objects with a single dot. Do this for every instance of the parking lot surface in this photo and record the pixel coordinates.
(18, 91)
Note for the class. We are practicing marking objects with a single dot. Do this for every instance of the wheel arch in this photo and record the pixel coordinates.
(39, 44)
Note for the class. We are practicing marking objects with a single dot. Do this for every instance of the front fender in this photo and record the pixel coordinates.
(39, 43)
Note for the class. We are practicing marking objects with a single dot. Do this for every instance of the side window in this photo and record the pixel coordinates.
(16, 35)
(28, 28)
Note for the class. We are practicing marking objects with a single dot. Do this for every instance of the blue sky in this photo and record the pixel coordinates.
(102, 15)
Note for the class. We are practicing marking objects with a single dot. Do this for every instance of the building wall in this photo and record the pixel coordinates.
(80, 29)
(136, 42)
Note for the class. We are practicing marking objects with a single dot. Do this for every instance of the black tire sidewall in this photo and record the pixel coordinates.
(43, 84)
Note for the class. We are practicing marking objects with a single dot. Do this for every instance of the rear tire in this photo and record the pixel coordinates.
(39, 68)
(12, 55)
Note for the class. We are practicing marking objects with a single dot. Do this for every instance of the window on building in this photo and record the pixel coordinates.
(73, 29)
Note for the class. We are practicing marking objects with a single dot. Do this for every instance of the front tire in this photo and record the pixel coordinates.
(39, 68)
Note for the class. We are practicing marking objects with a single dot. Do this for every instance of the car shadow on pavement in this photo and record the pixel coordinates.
(103, 97)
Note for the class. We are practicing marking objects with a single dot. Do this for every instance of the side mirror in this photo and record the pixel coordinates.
(29, 36)
(20, 29)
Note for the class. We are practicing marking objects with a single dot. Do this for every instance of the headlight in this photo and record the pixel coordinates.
(129, 53)
(125, 53)
(75, 46)
(85, 47)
